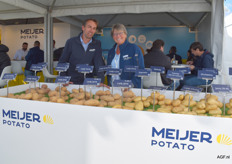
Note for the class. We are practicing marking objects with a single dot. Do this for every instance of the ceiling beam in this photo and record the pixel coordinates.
(26, 5)
(179, 20)
(195, 27)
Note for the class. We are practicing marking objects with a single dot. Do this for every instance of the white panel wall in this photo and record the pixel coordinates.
(74, 30)
(13, 38)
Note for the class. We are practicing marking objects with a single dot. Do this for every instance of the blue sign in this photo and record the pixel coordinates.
(130, 68)
(113, 71)
(230, 71)
(61, 67)
(208, 75)
(9, 76)
(175, 75)
(191, 88)
(123, 83)
(214, 70)
(83, 68)
(63, 79)
(43, 64)
(32, 78)
(221, 88)
(158, 88)
(36, 67)
(92, 81)
(157, 69)
(185, 70)
(142, 72)
(104, 68)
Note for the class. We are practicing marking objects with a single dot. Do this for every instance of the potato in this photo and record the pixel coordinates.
(107, 92)
(11, 95)
(156, 102)
(131, 105)
(215, 112)
(138, 98)
(53, 99)
(211, 97)
(201, 105)
(116, 96)
(52, 93)
(229, 111)
(96, 97)
(211, 107)
(167, 101)
(181, 97)
(168, 107)
(163, 110)
(219, 104)
(212, 101)
(113, 103)
(45, 99)
(200, 111)
(139, 105)
(75, 90)
(44, 86)
(117, 106)
(146, 103)
(127, 99)
(161, 103)
(92, 102)
(28, 96)
(80, 96)
(100, 93)
(22, 96)
(80, 102)
(35, 96)
(127, 107)
(64, 89)
(161, 97)
(107, 98)
(73, 101)
(228, 105)
(103, 102)
(177, 109)
(187, 97)
(128, 94)
(156, 95)
(176, 102)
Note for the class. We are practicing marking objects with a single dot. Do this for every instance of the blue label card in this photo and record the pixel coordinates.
(36, 67)
(104, 68)
(43, 64)
(185, 70)
(142, 72)
(175, 75)
(191, 88)
(208, 75)
(32, 78)
(123, 83)
(130, 68)
(230, 71)
(158, 88)
(92, 81)
(220, 88)
(83, 68)
(157, 69)
(61, 67)
(63, 79)
(9, 76)
(113, 71)
(214, 70)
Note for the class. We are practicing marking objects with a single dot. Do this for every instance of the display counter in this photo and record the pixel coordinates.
(45, 132)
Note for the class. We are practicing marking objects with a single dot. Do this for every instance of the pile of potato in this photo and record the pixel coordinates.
(209, 106)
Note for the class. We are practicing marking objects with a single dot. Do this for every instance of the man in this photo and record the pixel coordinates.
(34, 56)
(156, 57)
(21, 53)
(83, 49)
(203, 59)
(173, 56)
(4, 58)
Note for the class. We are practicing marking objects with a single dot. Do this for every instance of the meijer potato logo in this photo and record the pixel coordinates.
(223, 139)
(179, 139)
(23, 119)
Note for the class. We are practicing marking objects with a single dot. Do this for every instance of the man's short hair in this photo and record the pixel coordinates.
(25, 43)
(90, 19)
(173, 49)
(37, 43)
(196, 45)
(157, 44)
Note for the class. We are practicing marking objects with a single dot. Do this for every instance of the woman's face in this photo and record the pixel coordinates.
(119, 37)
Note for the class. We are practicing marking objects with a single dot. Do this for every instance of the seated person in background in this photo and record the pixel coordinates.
(124, 53)
(156, 57)
(57, 53)
(21, 53)
(4, 58)
(34, 56)
(190, 56)
(173, 56)
(203, 59)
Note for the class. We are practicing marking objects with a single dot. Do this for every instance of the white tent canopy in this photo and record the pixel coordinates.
(204, 17)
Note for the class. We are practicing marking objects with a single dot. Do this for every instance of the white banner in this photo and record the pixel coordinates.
(41, 132)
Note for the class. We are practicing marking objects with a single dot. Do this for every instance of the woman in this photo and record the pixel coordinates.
(124, 53)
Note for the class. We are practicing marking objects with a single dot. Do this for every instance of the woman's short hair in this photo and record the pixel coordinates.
(118, 27)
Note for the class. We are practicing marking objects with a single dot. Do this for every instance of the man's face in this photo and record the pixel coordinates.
(119, 37)
(24, 47)
(89, 29)
(195, 52)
